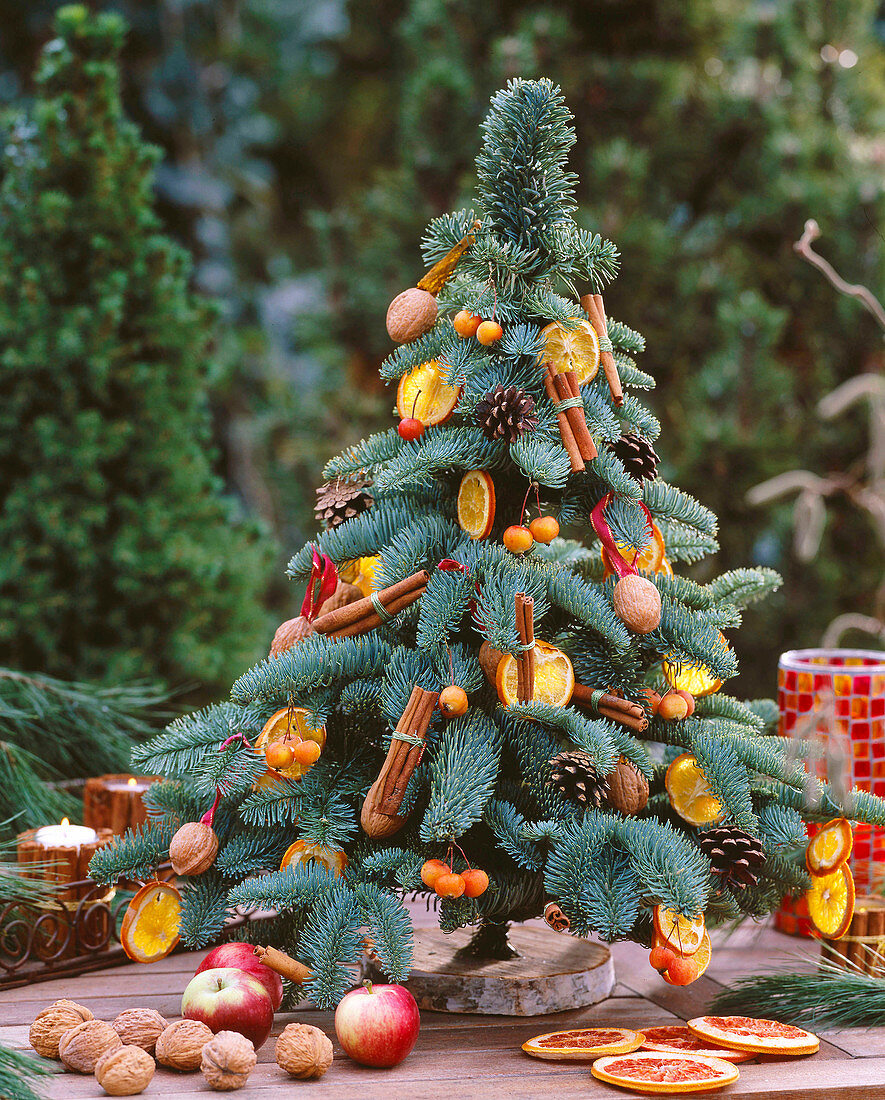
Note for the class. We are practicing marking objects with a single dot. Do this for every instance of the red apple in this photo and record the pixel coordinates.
(377, 1025)
(227, 999)
(243, 957)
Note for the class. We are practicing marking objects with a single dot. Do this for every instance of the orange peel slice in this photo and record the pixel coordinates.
(289, 724)
(424, 390)
(583, 1043)
(754, 1036)
(149, 930)
(574, 349)
(476, 504)
(830, 901)
(684, 935)
(830, 847)
(554, 677)
(655, 1072)
(690, 793)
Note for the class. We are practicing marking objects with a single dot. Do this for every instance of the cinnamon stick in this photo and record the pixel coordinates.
(577, 420)
(638, 725)
(857, 954)
(358, 613)
(582, 437)
(525, 665)
(568, 439)
(611, 706)
(595, 309)
(373, 621)
(283, 964)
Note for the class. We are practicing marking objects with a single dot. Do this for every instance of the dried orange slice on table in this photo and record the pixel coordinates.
(289, 724)
(754, 1036)
(554, 677)
(476, 504)
(830, 901)
(424, 390)
(680, 1039)
(574, 349)
(681, 934)
(149, 930)
(830, 847)
(583, 1043)
(650, 1071)
(690, 793)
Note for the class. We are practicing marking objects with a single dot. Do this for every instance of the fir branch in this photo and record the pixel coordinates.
(673, 504)
(296, 888)
(185, 743)
(443, 606)
(463, 772)
(419, 545)
(365, 455)
(609, 901)
(332, 938)
(204, 909)
(389, 928)
(507, 824)
(742, 587)
(541, 458)
(668, 864)
(247, 853)
(134, 855)
(686, 543)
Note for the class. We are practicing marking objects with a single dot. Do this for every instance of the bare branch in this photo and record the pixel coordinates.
(852, 290)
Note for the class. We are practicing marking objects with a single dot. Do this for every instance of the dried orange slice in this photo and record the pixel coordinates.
(754, 1036)
(361, 573)
(690, 793)
(305, 851)
(554, 677)
(679, 1039)
(574, 349)
(476, 504)
(424, 389)
(583, 1043)
(650, 1071)
(651, 559)
(684, 935)
(696, 678)
(830, 847)
(149, 930)
(289, 724)
(830, 901)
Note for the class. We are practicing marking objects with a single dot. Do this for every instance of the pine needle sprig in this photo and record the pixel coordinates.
(22, 1076)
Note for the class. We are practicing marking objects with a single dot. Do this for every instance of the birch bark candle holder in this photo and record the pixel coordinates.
(115, 802)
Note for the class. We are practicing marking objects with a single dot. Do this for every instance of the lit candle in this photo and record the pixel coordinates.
(65, 835)
(115, 801)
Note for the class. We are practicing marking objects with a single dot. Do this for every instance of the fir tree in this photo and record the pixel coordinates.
(122, 556)
(484, 792)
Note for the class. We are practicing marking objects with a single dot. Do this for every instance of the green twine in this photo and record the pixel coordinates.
(380, 608)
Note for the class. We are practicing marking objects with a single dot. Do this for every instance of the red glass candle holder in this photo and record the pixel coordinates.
(839, 695)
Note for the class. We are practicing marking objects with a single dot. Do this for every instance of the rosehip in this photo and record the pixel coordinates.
(307, 753)
(672, 707)
(465, 323)
(280, 755)
(661, 958)
(682, 971)
(476, 882)
(653, 700)
(431, 871)
(689, 698)
(449, 885)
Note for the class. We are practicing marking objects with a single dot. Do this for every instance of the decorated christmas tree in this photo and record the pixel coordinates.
(470, 705)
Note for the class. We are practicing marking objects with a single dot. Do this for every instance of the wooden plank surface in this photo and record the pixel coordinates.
(472, 1056)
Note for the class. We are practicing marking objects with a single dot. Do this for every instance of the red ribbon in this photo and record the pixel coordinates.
(449, 565)
(621, 566)
(320, 586)
(208, 817)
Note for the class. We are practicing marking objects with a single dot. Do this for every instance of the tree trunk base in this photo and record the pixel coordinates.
(551, 973)
(489, 941)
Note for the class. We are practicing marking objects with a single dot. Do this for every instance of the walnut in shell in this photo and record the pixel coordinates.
(227, 1061)
(343, 595)
(303, 1051)
(140, 1027)
(411, 314)
(52, 1022)
(80, 1047)
(193, 848)
(180, 1045)
(125, 1071)
(627, 788)
(290, 633)
(637, 603)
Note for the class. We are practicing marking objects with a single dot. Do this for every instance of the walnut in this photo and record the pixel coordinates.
(627, 788)
(303, 1051)
(180, 1045)
(637, 603)
(193, 848)
(290, 633)
(51, 1023)
(140, 1027)
(80, 1047)
(411, 314)
(124, 1071)
(228, 1059)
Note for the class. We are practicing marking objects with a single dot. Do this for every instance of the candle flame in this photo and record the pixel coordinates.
(65, 823)
(131, 782)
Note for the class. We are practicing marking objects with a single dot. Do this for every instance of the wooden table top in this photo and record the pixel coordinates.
(480, 1056)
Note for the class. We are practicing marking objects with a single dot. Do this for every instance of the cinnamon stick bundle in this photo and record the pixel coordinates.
(595, 310)
(380, 813)
(525, 664)
(576, 419)
(610, 706)
(568, 439)
(362, 615)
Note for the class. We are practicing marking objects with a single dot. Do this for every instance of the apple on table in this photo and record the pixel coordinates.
(228, 999)
(377, 1025)
(243, 957)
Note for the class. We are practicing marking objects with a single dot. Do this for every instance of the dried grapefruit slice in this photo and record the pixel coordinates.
(305, 851)
(289, 724)
(830, 847)
(554, 677)
(574, 349)
(149, 930)
(647, 1071)
(830, 900)
(754, 1036)
(690, 793)
(424, 390)
(583, 1043)
(679, 1039)
(684, 935)
(476, 504)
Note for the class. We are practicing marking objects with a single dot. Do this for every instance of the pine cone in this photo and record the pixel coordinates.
(573, 774)
(637, 455)
(506, 414)
(733, 854)
(342, 499)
